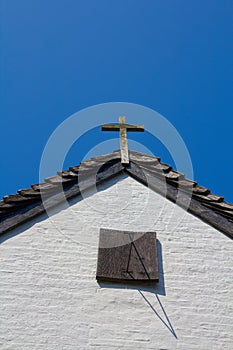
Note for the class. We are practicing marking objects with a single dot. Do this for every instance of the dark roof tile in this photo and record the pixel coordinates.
(67, 173)
(15, 198)
(7, 207)
(209, 197)
(201, 190)
(174, 175)
(29, 192)
(187, 183)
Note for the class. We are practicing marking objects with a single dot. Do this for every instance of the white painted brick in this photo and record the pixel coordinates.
(51, 300)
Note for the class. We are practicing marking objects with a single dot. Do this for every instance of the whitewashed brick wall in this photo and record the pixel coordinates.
(51, 300)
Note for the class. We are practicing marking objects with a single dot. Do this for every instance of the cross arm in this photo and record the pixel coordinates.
(110, 127)
(117, 127)
(130, 127)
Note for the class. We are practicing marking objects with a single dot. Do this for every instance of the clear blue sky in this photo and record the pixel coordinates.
(58, 57)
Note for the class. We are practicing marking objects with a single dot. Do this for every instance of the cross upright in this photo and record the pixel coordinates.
(123, 128)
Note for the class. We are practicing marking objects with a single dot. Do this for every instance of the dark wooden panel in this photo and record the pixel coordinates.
(127, 256)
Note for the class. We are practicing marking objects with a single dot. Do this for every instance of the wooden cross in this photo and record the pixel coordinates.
(123, 128)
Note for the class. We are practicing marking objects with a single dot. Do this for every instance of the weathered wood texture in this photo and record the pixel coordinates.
(196, 206)
(124, 142)
(127, 256)
(27, 213)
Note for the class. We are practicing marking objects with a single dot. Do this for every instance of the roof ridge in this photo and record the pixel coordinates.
(109, 165)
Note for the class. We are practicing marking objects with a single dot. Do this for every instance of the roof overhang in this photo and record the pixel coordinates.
(27, 203)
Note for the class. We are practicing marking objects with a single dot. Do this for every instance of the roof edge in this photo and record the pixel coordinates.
(20, 208)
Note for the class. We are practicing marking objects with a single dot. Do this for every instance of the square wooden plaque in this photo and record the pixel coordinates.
(127, 256)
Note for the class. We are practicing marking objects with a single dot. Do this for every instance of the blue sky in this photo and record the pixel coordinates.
(58, 57)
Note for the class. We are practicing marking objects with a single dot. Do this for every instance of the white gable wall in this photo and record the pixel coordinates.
(51, 300)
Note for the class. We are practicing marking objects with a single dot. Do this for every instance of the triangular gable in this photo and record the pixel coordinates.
(27, 204)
